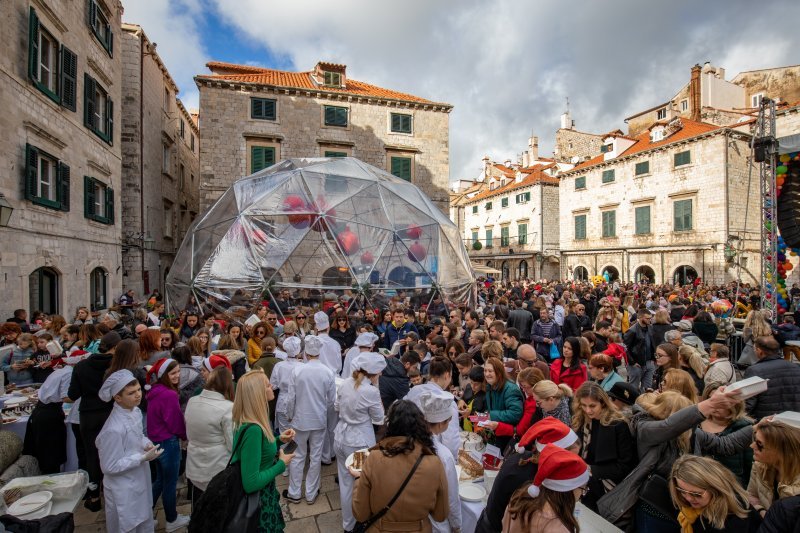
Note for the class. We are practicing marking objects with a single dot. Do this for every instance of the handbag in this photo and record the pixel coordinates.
(362, 527)
(554, 353)
(655, 492)
(225, 506)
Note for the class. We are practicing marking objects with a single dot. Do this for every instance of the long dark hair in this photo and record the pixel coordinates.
(221, 380)
(126, 357)
(523, 507)
(405, 428)
(575, 344)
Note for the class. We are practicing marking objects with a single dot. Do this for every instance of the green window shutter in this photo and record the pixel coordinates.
(262, 108)
(62, 184)
(109, 120)
(642, 215)
(401, 167)
(110, 41)
(683, 158)
(608, 175)
(522, 233)
(504, 238)
(475, 237)
(396, 122)
(642, 168)
(91, 13)
(335, 154)
(474, 209)
(88, 102)
(488, 206)
(69, 78)
(609, 223)
(335, 116)
(269, 157)
(683, 215)
(504, 202)
(401, 123)
(109, 205)
(489, 238)
(580, 183)
(88, 197)
(33, 46)
(580, 227)
(31, 171)
(256, 158)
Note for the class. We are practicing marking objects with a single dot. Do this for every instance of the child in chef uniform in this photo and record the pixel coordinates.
(124, 452)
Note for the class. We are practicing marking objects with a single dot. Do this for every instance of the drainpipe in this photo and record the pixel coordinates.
(541, 229)
(141, 151)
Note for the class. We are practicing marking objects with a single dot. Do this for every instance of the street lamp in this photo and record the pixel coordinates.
(5, 211)
(148, 242)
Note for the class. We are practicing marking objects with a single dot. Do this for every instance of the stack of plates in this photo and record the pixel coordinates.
(32, 506)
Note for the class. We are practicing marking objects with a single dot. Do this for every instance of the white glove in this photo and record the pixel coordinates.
(153, 453)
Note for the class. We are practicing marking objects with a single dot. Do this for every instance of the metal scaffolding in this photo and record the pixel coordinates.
(765, 150)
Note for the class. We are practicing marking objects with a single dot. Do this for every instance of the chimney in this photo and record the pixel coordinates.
(694, 93)
(533, 148)
(486, 173)
(566, 121)
(507, 163)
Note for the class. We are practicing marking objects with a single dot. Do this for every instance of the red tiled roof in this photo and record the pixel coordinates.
(690, 129)
(536, 175)
(303, 80)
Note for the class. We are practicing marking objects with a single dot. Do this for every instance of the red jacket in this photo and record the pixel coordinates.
(573, 378)
(528, 410)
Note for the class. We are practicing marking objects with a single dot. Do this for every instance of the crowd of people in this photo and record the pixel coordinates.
(612, 395)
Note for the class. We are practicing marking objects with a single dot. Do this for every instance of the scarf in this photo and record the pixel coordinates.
(687, 517)
(561, 412)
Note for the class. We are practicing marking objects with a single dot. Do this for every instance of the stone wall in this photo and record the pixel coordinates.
(572, 143)
(64, 241)
(299, 132)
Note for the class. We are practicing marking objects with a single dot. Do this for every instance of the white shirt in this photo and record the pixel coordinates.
(209, 428)
(453, 520)
(451, 438)
(347, 367)
(55, 387)
(311, 396)
(331, 353)
(281, 379)
(128, 490)
(154, 319)
(358, 410)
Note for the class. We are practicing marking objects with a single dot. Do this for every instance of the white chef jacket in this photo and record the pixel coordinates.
(347, 368)
(128, 490)
(451, 437)
(281, 379)
(55, 387)
(453, 520)
(331, 353)
(312, 395)
(358, 410)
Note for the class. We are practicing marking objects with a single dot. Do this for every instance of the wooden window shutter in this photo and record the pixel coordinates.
(88, 197)
(91, 12)
(330, 115)
(88, 102)
(62, 193)
(110, 120)
(109, 205)
(33, 46)
(110, 43)
(31, 171)
(256, 158)
(269, 157)
(69, 78)
(256, 107)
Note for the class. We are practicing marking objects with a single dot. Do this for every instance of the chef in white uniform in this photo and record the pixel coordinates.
(436, 407)
(364, 343)
(124, 452)
(358, 402)
(309, 406)
(331, 356)
(281, 380)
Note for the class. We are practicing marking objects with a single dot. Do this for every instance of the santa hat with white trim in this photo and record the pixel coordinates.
(158, 369)
(559, 470)
(547, 431)
(214, 361)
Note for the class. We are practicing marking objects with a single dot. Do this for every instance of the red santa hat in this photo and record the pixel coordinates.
(216, 360)
(559, 470)
(547, 431)
(157, 369)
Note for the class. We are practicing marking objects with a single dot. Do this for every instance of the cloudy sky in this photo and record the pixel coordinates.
(506, 65)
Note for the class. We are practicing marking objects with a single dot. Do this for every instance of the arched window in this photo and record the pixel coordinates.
(613, 273)
(684, 275)
(522, 270)
(98, 295)
(504, 271)
(43, 289)
(644, 273)
(580, 273)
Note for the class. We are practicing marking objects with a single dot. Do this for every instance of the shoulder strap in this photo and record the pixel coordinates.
(239, 442)
(377, 516)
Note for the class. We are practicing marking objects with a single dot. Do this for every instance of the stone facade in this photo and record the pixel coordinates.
(160, 165)
(573, 146)
(298, 130)
(715, 184)
(60, 251)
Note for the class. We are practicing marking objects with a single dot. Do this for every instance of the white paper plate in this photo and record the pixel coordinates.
(349, 461)
(30, 503)
(16, 400)
(41, 513)
(471, 492)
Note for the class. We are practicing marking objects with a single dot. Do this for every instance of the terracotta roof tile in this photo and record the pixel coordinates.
(303, 80)
(536, 176)
(690, 129)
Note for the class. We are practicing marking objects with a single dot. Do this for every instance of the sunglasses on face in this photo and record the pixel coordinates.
(301, 318)
(759, 444)
(342, 320)
(689, 493)
(272, 319)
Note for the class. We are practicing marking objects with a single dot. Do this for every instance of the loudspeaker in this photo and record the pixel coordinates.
(789, 207)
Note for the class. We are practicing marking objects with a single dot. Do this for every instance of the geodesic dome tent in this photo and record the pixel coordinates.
(320, 228)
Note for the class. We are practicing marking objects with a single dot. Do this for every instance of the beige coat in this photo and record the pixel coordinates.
(425, 494)
(762, 481)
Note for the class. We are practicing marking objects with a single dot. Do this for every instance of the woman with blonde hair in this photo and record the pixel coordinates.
(255, 447)
(681, 382)
(776, 471)
(553, 399)
(693, 363)
(755, 326)
(661, 325)
(709, 498)
(492, 349)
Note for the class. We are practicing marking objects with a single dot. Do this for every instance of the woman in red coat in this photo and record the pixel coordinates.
(526, 379)
(569, 369)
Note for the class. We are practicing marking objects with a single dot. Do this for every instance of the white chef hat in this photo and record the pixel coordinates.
(114, 384)
(313, 345)
(366, 339)
(292, 346)
(437, 406)
(321, 320)
(369, 362)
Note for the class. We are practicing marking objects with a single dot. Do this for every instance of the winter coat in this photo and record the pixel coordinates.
(512, 475)
(572, 326)
(528, 412)
(18, 377)
(657, 332)
(731, 447)
(209, 428)
(783, 517)
(640, 350)
(707, 331)
(572, 377)
(190, 384)
(762, 483)
(87, 378)
(538, 336)
(506, 404)
(393, 383)
(720, 371)
(393, 333)
(522, 321)
(164, 416)
(783, 391)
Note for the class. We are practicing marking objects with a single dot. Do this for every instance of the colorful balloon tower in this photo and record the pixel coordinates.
(778, 278)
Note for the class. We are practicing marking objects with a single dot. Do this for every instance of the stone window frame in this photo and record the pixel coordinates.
(346, 127)
(390, 120)
(584, 215)
(583, 187)
(522, 238)
(692, 199)
(63, 70)
(605, 173)
(94, 189)
(682, 165)
(647, 172)
(391, 153)
(59, 179)
(649, 206)
(251, 143)
(609, 211)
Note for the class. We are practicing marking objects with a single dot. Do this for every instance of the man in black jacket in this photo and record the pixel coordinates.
(521, 320)
(639, 344)
(394, 383)
(783, 389)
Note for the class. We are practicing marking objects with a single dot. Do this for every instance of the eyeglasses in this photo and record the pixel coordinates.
(301, 318)
(758, 443)
(273, 319)
(341, 320)
(452, 352)
(689, 492)
(584, 490)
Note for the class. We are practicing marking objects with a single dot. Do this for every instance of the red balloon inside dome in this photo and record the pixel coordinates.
(296, 203)
(367, 258)
(348, 241)
(417, 252)
(414, 232)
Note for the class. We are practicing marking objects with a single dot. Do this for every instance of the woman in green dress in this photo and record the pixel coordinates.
(260, 459)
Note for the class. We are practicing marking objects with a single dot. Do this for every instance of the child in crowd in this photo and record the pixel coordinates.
(17, 364)
(415, 377)
(41, 358)
(124, 452)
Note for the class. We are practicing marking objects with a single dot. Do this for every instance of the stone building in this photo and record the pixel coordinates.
(258, 116)
(573, 146)
(666, 205)
(60, 90)
(160, 164)
(509, 225)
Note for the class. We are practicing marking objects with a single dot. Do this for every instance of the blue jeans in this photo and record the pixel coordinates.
(166, 481)
(641, 378)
